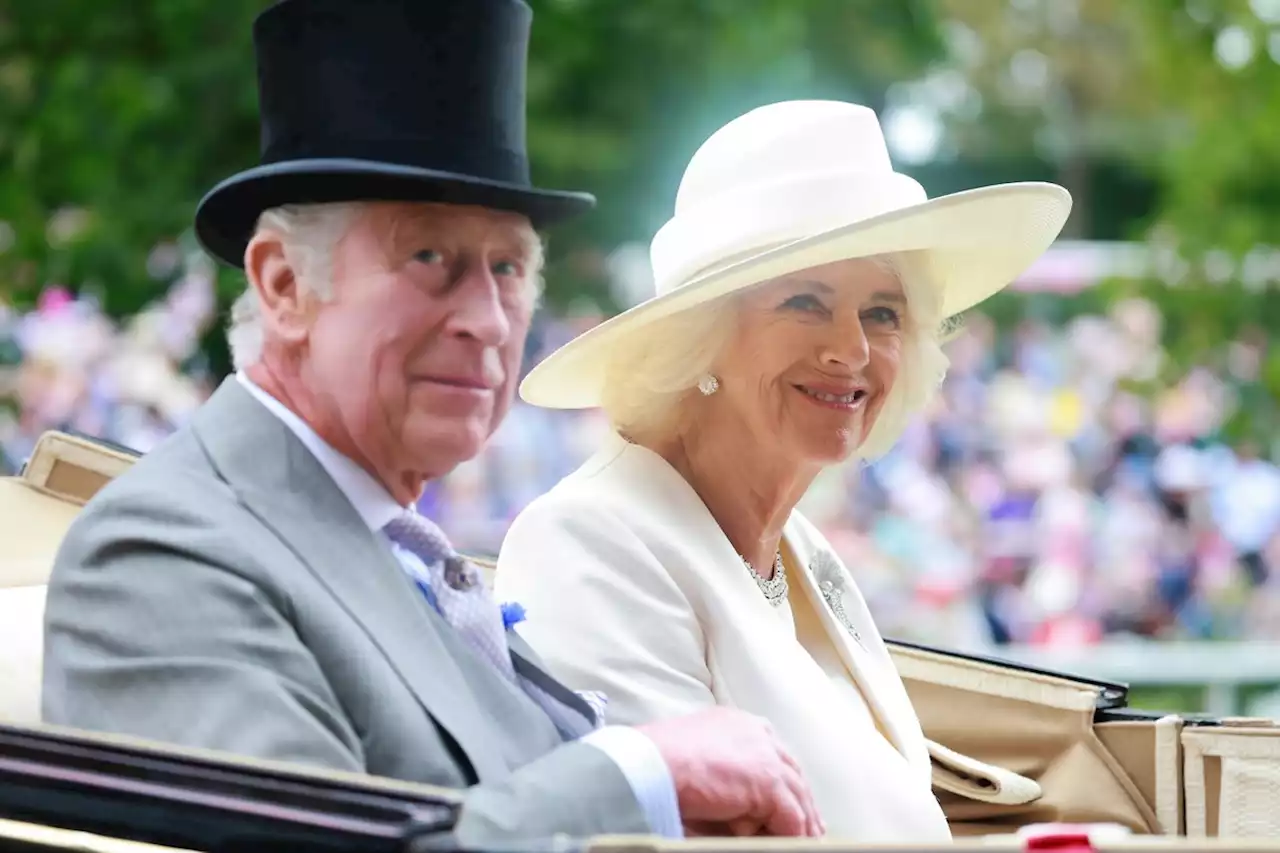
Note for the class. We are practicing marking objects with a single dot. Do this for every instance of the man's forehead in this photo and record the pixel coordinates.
(413, 220)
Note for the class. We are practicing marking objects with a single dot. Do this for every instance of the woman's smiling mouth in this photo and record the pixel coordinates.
(844, 399)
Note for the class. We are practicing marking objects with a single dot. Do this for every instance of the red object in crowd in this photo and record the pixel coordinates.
(1068, 630)
(53, 299)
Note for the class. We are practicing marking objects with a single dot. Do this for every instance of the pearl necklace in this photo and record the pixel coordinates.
(775, 588)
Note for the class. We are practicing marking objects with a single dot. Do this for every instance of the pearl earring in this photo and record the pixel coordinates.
(708, 385)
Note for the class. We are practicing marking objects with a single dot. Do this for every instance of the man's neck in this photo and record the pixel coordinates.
(404, 487)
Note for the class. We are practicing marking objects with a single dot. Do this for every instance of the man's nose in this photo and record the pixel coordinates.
(479, 312)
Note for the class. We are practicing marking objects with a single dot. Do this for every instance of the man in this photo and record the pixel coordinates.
(260, 583)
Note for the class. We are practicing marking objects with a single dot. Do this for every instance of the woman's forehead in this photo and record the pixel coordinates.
(860, 278)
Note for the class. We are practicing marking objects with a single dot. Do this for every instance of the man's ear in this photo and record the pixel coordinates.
(285, 308)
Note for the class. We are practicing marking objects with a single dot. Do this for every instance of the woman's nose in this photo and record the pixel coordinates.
(847, 346)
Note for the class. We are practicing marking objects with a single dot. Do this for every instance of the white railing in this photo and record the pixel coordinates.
(1072, 265)
(1220, 669)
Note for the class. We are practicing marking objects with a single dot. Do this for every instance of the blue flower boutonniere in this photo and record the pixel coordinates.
(512, 615)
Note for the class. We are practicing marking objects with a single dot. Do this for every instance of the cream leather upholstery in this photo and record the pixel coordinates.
(36, 509)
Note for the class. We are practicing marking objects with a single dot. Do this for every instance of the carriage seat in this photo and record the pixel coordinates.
(36, 508)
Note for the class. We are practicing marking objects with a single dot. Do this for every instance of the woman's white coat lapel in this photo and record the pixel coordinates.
(731, 602)
(849, 625)
(645, 558)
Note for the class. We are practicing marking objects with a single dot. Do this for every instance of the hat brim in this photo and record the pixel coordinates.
(228, 214)
(981, 241)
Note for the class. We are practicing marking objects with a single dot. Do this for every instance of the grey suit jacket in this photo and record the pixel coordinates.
(224, 594)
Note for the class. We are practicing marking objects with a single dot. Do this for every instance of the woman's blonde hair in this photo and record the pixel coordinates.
(651, 375)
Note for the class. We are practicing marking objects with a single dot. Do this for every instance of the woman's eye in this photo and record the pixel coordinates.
(887, 316)
(805, 302)
(429, 256)
(505, 268)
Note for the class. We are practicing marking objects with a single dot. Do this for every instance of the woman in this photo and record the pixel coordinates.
(803, 289)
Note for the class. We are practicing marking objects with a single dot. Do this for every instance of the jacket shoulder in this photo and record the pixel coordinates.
(171, 499)
(174, 472)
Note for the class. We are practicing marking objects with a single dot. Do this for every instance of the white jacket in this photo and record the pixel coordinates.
(631, 588)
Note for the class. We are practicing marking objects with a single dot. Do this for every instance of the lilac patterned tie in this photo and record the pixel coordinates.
(457, 588)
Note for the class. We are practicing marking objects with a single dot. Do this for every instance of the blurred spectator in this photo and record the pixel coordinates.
(1040, 499)
(1247, 501)
(65, 365)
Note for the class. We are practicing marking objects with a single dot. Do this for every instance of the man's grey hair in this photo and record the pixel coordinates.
(651, 377)
(310, 233)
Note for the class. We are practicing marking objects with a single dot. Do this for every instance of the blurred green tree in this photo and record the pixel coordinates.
(1185, 93)
(114, 122)
(621, 94)
(1061, 80)
(1216, 67)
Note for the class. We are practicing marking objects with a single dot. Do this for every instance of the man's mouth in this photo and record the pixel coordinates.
(471, 383)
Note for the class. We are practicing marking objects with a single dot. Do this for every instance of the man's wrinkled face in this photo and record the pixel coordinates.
(417, 352)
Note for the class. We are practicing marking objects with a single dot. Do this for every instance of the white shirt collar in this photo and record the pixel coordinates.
(369, 497)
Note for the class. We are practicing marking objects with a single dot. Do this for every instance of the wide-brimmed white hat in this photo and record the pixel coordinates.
(796, 185)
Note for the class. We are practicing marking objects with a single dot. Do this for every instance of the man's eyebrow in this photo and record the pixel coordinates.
(527, 241)
(406, 231)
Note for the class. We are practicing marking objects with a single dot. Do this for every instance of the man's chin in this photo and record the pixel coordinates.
(445, 443)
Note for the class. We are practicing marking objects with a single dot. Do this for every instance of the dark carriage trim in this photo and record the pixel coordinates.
(81, 783)
(102, 442)
(1112, 694)
(1142, 715)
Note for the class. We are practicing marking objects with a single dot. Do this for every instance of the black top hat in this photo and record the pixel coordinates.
(386, 100)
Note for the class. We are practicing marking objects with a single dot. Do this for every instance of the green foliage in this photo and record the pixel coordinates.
(1221, 170)
(1148, 84)
(1172, 700)
(114, 122)
(621, 94)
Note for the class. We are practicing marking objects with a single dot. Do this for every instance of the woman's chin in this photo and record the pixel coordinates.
(831, 447)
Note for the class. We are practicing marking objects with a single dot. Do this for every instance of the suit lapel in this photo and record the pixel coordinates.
(283, 484)
(529, 667)
(874, 685)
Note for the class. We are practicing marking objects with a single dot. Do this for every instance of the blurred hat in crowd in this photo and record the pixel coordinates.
(1181, 468)
(1015, 407)
(64, 331)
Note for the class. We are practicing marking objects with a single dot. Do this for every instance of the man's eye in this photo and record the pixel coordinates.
(505, 268)
(429, 256)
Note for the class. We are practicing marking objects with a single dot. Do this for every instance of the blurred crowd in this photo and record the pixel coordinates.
(67, 365)
(1042, 500)
(1048, 497)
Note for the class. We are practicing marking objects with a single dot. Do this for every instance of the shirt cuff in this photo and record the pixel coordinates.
(647, 773)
